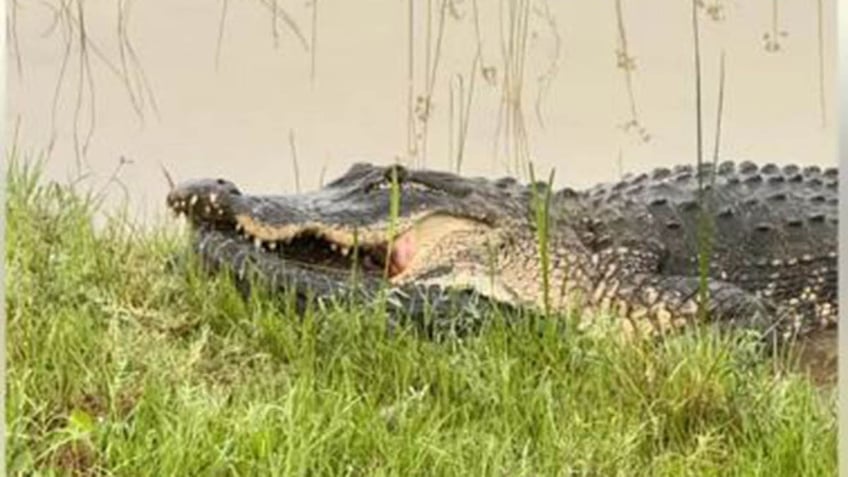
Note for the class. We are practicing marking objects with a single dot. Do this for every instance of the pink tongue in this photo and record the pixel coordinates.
(403, 251)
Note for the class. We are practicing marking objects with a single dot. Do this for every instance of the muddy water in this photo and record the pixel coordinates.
(239, 116)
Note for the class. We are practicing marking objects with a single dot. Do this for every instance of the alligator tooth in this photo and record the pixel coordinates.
(212, 197)
(272, 245)
(334, 247)
(345, 251)
(239, 227)
(207, 210)
(193, 200)
(257, 242)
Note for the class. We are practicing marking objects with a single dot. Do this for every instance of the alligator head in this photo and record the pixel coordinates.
(388, 225)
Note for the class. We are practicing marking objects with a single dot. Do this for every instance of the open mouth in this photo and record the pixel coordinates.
(308, 245)
(416, 246)
(337, 251)
(419, 240)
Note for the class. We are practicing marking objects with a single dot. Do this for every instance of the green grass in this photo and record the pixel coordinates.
(118, 366)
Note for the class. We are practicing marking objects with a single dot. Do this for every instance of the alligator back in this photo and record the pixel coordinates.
(774, 229)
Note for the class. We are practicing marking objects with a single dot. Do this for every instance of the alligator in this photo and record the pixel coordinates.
(635, 250)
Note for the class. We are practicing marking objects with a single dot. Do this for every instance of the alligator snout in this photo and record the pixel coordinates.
(204, 200)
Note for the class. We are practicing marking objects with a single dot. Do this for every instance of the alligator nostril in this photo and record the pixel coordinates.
(228, 186)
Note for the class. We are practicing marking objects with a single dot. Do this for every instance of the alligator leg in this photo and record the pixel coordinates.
(652, 304)
(655, 304)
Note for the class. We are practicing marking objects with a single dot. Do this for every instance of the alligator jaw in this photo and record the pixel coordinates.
(314, 246)
(378, 251)
(301, 229)
(328, 248)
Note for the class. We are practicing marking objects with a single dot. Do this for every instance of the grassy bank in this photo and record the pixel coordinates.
(119, 366)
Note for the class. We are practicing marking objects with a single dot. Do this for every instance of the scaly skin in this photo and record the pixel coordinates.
(628, 248)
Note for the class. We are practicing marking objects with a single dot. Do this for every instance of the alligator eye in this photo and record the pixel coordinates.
(390, 175)
(396, 171)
